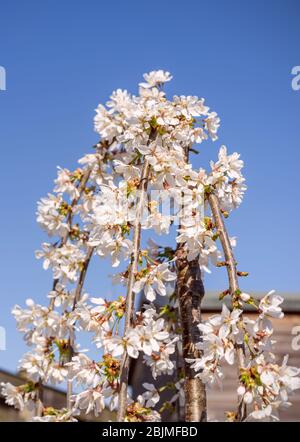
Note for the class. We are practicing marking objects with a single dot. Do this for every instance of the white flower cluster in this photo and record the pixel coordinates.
(263, 382)
(153, 281)
(18, 396)
(227, 179)
(140, 171)
(50, 215)
(65, 260)
(150, 335)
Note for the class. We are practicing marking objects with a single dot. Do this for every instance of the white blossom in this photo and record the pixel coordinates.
(270, 305)
(156, 78)
(13, 395)
(153, 282)
(150, 397)
(89, 400)
(50, 215)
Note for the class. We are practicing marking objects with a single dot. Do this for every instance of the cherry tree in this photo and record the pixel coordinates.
(138, 178)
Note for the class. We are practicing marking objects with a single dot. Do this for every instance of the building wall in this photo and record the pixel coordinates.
(220, 401)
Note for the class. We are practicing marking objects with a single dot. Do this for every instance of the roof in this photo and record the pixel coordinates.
(291, 303)
(52, 397)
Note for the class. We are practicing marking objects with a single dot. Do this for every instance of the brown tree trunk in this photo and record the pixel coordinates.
(190, 291)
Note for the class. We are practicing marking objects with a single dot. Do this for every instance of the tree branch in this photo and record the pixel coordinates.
(130, 294)
(124, 373)
(64, 239)
(232, 277)
(77, 297)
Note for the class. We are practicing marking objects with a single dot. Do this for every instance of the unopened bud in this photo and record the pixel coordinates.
(245, 297)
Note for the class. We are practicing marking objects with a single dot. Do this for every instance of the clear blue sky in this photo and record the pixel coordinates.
(64, 57)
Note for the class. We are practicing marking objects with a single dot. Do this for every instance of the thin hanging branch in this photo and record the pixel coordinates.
(39, 400)
(130, 294)
(84, 179)
(77, 296)
(233, 280)
(81, 187)
(129, 312)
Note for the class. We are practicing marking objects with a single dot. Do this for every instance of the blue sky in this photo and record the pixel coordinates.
(63, 58)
